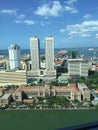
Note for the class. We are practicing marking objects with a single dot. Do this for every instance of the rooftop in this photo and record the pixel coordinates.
(13, 46)
(78, 60)
(5, 96)
(70, 87)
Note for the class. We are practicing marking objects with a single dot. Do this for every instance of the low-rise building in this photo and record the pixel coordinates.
(13, 77)
(17, 95)
(85, 91)
(2, 90)
(5, 99)
(63, 79)
(71, 92)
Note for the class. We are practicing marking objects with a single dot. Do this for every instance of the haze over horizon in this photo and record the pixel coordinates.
(73, 23)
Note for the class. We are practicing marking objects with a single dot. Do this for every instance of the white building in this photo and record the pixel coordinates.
(35, 54)
(14, 56)
(49, 55)
(78, 67)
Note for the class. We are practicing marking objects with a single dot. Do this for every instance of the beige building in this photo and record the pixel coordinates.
(17, 95)
(5, 99)
(85, 91)
(2, 90)
(48, 70)
(49, 55)
(78, 67)
(71, 92)
(13, 77)
(42, 73)
(35, 52)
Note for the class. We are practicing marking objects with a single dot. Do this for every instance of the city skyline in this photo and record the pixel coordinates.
(73, 23)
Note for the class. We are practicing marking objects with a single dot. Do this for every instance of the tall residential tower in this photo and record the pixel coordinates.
(35, 52)
(49, 54)
(49, 51)
(14, 56)
(36, 71)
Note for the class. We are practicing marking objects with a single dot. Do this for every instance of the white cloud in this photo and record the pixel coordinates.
(17, 21)
(70, 6)
(87, 16)
(28, 22)
(43, 23)
(71, 9)
(71, 2)
(8, 11)
(49, 10)
(96, 35)
(62, 30)
(21, 16)
(84, 29)
(13, 12)
(55, 8)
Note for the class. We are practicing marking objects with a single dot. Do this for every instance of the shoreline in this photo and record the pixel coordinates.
(50, 109)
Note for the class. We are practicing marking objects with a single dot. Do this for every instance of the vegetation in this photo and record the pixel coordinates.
(13, 86)
(35, 82)
(73, 54)
(57, 101)
(62, 69)
(51, 102)
(91, 81)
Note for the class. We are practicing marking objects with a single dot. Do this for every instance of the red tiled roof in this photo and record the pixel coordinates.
(71, 87)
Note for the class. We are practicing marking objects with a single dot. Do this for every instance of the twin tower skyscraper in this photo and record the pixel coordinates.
(49, 56)
(35, 71)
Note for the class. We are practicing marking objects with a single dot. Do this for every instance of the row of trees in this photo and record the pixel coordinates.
(52, 101)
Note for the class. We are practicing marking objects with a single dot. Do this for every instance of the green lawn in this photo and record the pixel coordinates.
(44, 119)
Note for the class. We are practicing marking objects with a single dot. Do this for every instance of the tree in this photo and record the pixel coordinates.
(73, 54)
(54, 83)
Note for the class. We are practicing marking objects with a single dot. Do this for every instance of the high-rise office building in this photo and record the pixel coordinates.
(14, 56)
(35, 52)
(49, 55)
(49, 52)
(36, 70)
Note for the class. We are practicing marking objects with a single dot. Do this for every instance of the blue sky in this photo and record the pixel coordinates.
(73, 23)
